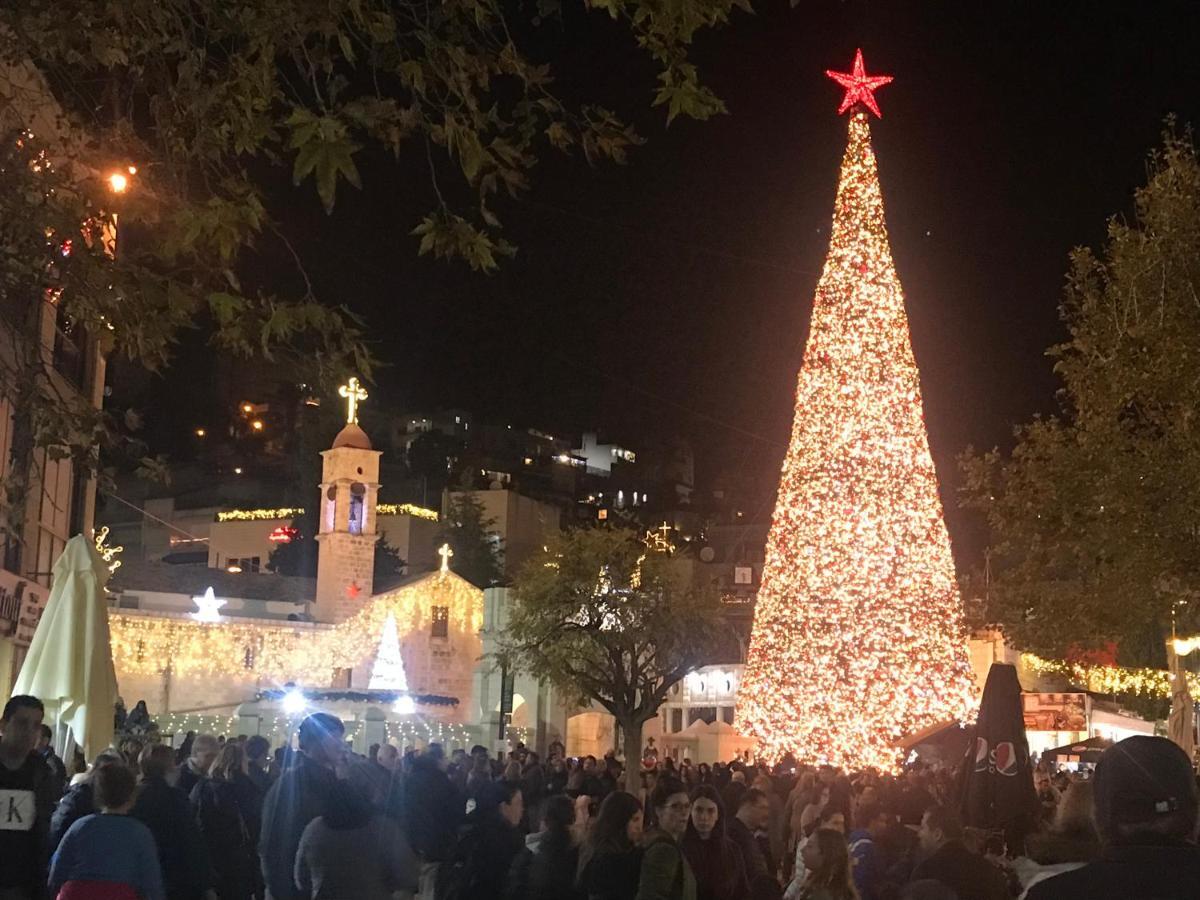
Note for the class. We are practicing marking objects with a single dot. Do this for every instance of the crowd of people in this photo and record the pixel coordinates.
(226, 819)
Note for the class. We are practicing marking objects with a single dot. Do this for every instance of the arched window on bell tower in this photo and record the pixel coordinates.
(328, 508)
(357, 508)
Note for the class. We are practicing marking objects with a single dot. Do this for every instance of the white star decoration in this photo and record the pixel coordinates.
(207, 607)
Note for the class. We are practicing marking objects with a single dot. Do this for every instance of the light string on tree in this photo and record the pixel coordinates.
(859, 638)
(1101, 679)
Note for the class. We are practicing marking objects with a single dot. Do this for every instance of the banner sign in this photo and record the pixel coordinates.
(21, 605)
(508, 681)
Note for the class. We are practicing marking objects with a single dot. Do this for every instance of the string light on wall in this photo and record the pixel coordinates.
(288, 651)
(859, 638)
(292, 512)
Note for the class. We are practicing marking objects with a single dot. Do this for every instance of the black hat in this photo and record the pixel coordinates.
(1141, 779)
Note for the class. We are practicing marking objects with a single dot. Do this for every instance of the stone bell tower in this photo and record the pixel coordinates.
(346, 529)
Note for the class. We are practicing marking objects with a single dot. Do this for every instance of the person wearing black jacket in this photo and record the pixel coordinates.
(46, 751)
(78, 801)
(298, 797)
(546, 868)
(716, 860)
(489, 843)
(433, 810)
(28, 797)
(195, 767)
(752, 814)
(225, 807)
(163, 809)
(1146, 810)
(610, 861)
(949, 861)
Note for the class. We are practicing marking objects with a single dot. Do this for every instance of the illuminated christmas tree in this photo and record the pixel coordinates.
(388, 672)
(858, 637)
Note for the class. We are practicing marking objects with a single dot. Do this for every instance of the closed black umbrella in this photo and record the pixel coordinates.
(996, 779)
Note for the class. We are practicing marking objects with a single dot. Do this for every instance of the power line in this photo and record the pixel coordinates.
(150, 515)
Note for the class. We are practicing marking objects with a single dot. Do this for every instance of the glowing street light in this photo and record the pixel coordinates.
(118, 182)
(405, 706)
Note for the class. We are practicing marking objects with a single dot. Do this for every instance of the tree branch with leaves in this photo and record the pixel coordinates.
(610, 621)
(1094, 539)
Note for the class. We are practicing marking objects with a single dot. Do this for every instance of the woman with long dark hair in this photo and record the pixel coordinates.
(610, 859)
(828, 862)
(223, 804)
(546, 868)
(714, 858)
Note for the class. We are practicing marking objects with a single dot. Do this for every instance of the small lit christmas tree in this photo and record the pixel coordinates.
(858, 633)
(388, 672)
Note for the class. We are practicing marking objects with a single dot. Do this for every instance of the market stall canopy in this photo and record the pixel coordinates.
(69, 666)
(1088, 751)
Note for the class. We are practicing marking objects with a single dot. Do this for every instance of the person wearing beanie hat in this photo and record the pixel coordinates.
(1147, 807)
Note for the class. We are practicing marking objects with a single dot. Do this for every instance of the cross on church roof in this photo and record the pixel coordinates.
(354, 393)
(445, 553)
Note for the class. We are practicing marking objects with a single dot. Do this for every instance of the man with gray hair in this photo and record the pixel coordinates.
(195, 767)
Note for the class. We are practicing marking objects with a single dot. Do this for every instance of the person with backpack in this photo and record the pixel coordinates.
(224, 805)
(490, 841)
(665, 873)
(610, 860)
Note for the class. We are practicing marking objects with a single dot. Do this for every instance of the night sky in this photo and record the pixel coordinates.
(672, 295)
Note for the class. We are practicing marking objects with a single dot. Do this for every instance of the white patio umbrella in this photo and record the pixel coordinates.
(1180, 723)
(69, 666)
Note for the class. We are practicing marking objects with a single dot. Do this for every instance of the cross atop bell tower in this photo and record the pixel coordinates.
(346, 527)
(354, 393)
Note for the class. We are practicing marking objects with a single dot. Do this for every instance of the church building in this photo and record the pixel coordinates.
(249, 653)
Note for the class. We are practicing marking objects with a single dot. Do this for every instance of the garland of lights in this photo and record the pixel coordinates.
(286, 651)
(360, 696)
(279, 729)
(292, 512)
(1110, 679)
(859, 638)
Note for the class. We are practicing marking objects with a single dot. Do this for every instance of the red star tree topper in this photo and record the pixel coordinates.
(859, 86)
(859, 638)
